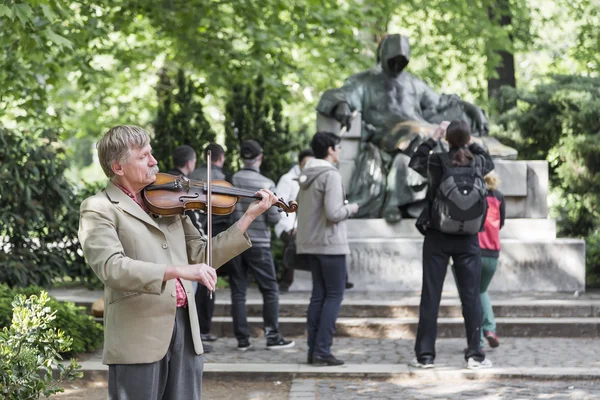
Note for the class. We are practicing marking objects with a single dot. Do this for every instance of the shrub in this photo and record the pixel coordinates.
(30, 349)
(180, 119)
(560, 122)
(86, 333)
(37, 209)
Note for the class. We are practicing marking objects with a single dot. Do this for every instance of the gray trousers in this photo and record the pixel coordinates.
(177, 376)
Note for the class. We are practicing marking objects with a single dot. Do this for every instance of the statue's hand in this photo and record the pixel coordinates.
(479, 122)
(343, 115)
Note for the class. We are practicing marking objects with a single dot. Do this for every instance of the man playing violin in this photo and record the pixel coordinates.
(147, 263)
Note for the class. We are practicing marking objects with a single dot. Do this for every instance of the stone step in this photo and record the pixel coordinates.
(410, 308)
(95, 371)
(365, 309)
(406, 328)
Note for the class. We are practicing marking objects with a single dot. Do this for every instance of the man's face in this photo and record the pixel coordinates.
(140, 170)
(304, 161)
(335, 152)
(192, 164)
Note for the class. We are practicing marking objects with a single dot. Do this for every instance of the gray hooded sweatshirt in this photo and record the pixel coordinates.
(322, 212)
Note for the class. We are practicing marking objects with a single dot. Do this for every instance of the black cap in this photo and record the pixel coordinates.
(250, 149)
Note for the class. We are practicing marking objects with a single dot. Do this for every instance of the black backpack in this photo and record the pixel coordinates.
(459, 205)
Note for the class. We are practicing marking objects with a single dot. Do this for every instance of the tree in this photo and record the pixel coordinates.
(252, 114)
(180, 119)
(504, 74)
(560, 122)
(38, 210)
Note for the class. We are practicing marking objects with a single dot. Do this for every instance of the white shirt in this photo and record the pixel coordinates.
(288, 189)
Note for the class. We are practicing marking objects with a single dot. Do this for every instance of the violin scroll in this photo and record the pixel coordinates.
(288, 208)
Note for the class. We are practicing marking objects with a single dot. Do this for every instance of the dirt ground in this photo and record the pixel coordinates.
(211, 389)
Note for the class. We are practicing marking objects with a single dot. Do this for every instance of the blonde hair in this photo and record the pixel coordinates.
(491, 181)
(116, 146)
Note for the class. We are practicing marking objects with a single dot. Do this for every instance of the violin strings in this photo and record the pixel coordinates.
(227, 190)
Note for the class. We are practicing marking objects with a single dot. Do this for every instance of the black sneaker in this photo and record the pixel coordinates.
(349, 285)
(309, 358)
(280, 343)
(283, 288)
(244, 345)
(207, 337)
(329, 360)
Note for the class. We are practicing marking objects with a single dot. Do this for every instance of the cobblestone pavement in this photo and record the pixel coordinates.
(343, 389)
(513, 352)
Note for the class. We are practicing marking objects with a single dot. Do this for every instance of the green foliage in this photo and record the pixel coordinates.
(30, 349)
(85, 332)
(560, 122)
(36, 203)
(255, 112)
(593, 259)
(180, 118)
(39, 211)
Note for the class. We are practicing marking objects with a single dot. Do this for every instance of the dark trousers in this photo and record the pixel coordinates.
(329, 283)
(177, 376)
(466, 256)
(204, 304)
(287, 275)
(258, 261)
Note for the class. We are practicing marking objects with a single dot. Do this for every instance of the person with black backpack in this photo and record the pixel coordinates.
(455, 213)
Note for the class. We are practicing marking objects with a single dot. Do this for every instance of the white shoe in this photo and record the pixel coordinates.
(416, 364)
(472, 364)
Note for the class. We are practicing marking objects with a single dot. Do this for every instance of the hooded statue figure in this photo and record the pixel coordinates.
(399, 111)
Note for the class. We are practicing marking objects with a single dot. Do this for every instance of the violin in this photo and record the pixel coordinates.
(172, 195)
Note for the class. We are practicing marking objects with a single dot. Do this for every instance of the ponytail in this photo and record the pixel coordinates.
(462, 157)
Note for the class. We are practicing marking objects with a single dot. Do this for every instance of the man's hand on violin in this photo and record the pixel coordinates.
(260, 206)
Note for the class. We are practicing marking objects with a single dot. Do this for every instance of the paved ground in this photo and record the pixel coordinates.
(354, 389)
(78, 294)
(327, 389)
(241, 389)
(513, 352)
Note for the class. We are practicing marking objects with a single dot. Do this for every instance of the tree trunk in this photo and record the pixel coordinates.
(506, 68)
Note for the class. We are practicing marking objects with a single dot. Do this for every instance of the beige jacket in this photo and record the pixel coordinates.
(129, 250)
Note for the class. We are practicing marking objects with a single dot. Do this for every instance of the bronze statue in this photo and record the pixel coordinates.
(399, 111)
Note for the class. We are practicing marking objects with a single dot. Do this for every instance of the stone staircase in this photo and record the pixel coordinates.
(387, 315)
(542, 337)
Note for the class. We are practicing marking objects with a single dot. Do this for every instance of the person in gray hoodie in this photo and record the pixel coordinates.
(321, 237)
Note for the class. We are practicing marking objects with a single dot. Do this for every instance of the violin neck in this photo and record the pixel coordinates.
(234, 192)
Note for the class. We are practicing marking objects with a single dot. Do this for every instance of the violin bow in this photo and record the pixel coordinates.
(209, 213)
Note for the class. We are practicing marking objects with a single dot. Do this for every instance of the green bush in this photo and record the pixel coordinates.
(86, 333)
(180, 119)
(593, 259)
(30, 350)
(560, 122)
(255, 111)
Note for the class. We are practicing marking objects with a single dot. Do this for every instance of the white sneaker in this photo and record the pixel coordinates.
(472, 364)
(416, 364)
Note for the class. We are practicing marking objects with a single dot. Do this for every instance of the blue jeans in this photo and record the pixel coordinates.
(329, 283)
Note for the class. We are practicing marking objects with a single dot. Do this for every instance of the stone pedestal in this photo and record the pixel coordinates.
(388, 257)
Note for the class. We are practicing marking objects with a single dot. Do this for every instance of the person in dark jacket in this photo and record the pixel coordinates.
(438, 247)
(489, 241)
(258, 259)
(220, 223)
